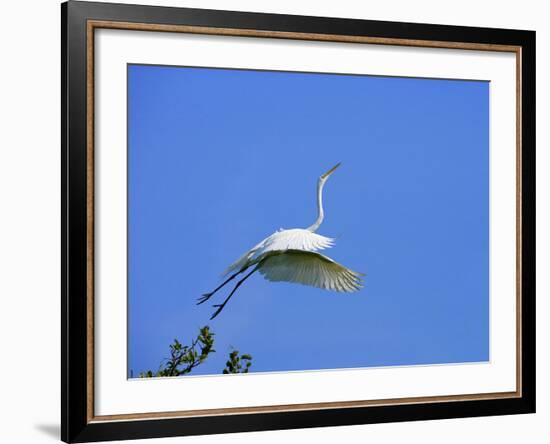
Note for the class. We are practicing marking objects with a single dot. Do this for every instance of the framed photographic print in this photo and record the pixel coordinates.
(275, 221)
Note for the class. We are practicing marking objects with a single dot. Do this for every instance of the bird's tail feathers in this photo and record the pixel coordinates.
(237, 265)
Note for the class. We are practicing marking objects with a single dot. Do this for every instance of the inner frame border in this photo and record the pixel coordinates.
(92, 25)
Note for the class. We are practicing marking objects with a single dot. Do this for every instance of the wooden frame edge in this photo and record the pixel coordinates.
(236, 32)
(283, 408)
(90, 223)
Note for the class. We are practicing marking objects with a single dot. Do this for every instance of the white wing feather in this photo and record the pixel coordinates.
(282, 240)
(309, 268)
(294, 239)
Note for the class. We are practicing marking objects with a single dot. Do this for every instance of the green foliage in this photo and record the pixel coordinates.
(184, 358)
(237, 364)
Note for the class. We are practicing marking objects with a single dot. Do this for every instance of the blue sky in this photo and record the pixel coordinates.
(219, 159)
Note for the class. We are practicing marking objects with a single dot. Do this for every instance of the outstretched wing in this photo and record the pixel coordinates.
(309, 268)
(282, 240)
(294, 239)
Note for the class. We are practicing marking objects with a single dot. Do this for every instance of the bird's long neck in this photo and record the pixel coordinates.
(320, 212)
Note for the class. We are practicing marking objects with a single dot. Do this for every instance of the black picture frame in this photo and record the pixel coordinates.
(76, 424)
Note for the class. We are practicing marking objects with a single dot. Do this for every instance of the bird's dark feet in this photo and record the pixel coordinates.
(204, 298)
(217, 312)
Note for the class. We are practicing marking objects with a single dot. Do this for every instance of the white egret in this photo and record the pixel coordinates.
(292, 256)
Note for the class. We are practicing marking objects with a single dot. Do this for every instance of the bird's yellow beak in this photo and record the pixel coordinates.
(329, 172)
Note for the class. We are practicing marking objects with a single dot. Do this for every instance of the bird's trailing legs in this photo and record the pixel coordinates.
(207, 296)
(220, 306)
